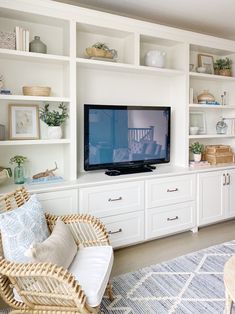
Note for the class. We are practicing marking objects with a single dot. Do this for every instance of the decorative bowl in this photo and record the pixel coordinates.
(100, 53)
(201, 70)
(36, 91)
(193, 130)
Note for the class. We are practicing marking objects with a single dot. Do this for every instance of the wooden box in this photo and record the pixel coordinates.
(219, 154)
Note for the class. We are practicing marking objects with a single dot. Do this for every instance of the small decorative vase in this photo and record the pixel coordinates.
(54, 132)
(197, 157)
(19, 175)
(221, 127)
(37, 45)
(155, 58)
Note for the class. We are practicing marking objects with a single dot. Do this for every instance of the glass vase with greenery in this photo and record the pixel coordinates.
(19, 169)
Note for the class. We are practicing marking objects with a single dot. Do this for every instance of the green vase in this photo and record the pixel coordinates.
(19, 175)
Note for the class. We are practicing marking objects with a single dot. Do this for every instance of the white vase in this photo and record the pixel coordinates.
(54, 132)
(197, 157)
(155, 58)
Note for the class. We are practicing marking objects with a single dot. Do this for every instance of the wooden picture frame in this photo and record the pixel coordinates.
(198, 118)
(23, 122)
(207, 62)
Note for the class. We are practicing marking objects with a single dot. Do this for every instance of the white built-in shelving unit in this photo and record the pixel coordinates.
(76, 80)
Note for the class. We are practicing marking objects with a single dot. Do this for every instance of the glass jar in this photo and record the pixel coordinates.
(19, 175)
(221, 127)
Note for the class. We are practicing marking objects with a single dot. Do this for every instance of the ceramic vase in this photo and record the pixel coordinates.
(155, 58)
(19, 175)
(37, 45)
(54, 132)
(197, 157)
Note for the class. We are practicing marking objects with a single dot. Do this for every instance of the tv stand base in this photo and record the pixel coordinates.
(126, 170)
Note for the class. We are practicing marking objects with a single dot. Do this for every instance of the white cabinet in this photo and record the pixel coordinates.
(114, 199)
(125, 229)
(216, 196)
(170, 190)
(60, 202)
(169, 219)
(170, 205)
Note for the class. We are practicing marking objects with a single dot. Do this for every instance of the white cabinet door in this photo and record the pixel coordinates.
(212, 197)
(113, 199)
(125, 229)
(173, 190)
(60, 202)
(169, 219)
(230, 208)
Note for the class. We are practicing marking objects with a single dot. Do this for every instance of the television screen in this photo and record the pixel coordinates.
(117, 136)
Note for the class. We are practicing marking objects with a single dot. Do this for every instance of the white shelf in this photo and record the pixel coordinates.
(97, 64)
(211, 106)
(210, 136)
(211, 77)
(34, 98)
(32, 56)
(34, 142)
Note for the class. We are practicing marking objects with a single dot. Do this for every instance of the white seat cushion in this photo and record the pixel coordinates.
(92, 267)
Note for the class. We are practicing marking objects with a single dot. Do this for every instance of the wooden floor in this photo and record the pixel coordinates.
(134, 257)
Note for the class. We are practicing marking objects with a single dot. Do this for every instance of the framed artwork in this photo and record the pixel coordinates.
(23, 122)
(207, 62)
(198, 119)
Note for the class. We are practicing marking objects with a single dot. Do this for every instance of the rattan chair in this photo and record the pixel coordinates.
(55, 290)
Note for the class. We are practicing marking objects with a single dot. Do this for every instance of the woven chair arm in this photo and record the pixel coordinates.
(87, 230)
(36, 281)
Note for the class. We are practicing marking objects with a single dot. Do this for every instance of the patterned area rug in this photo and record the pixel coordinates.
(188, 284)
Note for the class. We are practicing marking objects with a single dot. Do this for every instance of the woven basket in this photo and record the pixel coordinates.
(225, 72)
(100, 53)
(36, 91)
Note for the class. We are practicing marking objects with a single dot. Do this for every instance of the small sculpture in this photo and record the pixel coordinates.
(47, 173)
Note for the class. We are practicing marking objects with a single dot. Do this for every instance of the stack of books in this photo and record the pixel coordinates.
(200, 164)
(22, 39)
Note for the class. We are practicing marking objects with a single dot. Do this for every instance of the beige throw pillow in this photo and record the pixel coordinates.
(59, 248)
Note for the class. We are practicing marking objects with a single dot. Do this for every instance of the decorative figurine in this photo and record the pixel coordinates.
(47, 173)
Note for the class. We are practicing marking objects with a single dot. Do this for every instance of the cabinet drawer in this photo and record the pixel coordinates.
(172, 190)
(125, 229)
(60, 202)
(111, 200)
(170, 219)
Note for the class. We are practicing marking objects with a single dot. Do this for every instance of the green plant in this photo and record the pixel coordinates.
(54, 118)
(19, 160)
(196, 148)
(223, 64)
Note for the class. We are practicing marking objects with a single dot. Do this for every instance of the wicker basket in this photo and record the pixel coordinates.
(36, 91)
(219, 154)
(225, 72)
(100, 53)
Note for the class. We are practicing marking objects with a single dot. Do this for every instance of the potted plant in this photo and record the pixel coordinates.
(54, 119)
(223, 67)
(197, 150)
(101, 50)
(19, 169)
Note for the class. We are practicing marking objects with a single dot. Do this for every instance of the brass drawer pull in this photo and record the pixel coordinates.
(113, 232)
(115, 199)
(174, 218)
(172, 190)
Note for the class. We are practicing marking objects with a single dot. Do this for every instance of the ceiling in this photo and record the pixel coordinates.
(213, 17)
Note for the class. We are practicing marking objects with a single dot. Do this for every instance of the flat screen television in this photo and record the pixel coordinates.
(126, 139)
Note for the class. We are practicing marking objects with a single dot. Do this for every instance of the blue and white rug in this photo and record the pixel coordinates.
(190, 284)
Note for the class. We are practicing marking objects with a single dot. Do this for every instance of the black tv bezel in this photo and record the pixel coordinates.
(119, 165)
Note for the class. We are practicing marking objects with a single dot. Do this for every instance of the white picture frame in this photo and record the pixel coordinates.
(198, 119)
(23, 122)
